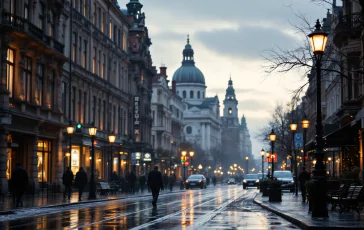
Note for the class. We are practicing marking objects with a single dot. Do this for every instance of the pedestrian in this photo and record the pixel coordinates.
(132, 179)
(19, 181)
(155, 183)
(214, 180)
(67, 182)
(302, 178)
(142, 181)
(165, 180)
(114, 177)
(171, 182)
(81, 182)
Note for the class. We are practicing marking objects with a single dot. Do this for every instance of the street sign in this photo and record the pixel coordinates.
(269, 158)
(133, 159)
(298, 140)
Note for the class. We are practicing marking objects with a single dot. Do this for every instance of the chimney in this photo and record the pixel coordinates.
(163, 71)
(174, 87)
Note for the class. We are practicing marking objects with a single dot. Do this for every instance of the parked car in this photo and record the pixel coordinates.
(251, 180)
(231, 181)
(286, 178)
(196, 180)
(261, 174)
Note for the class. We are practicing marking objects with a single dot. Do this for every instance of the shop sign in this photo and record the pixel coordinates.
(147, 157)
(136, 115)
(138, 155)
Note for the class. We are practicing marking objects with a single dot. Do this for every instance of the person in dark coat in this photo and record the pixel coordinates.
(81, 182)
(19, 180)
(132, 179)
(165, 180)
(302, 178)
(114, 177)
(67, 182)
(155, 183)
(142, 181)
(171, 182)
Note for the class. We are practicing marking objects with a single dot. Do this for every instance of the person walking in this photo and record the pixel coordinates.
(132, 179)
(165, 180)
(155, 183)
(302, 178)
(142, 181)
(19, 181)
(171, 182)
(81, 182)
(67, 182)
(114, 177)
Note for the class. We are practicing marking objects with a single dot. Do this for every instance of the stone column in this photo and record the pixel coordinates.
(59, 161)
(33, 163)
(203, 134)
(3, 158)
(208, 136)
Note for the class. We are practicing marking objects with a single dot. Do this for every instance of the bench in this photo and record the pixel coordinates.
(332, 195)
(350, 199)
(104, 188)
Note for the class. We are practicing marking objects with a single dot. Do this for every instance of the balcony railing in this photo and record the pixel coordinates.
(29, 28)
(350, 21)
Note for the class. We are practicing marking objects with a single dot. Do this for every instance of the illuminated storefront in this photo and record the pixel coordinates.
(44, 159)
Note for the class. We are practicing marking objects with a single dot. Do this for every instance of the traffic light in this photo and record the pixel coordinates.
(78, 126)
(182, 160)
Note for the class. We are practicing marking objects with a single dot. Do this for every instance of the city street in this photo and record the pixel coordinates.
(220, 207)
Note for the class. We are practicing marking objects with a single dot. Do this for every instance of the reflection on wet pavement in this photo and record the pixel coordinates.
(214, 208)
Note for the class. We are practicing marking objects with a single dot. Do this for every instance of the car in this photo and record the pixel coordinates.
(286, 178)
(251, 180)
(261, 174)
(231, 181)
(196, 180)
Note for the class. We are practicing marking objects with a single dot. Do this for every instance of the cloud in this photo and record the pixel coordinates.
(237, 90)
(254, 105)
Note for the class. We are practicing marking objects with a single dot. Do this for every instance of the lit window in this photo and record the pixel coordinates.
(230, 111)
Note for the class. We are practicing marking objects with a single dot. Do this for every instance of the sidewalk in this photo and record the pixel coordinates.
(56, 199)
(292, 209)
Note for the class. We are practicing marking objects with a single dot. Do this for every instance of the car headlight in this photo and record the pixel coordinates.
(199, 181)
(244, 181)
(292, 181)
(257, 181)
(186, 181)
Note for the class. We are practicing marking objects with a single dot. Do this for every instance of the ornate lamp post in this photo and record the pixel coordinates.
(318, 40)
(184, 153)
(305, 124)
(262, 152)
(92, 194)
(293, 128)
(112, 139)
(192, 153)
(200, 167)
(247, 165)
(70, 130)
(272, 138)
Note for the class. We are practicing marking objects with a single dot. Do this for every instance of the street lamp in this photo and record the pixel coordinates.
(191, 155)
(92, 194)
(293, 128)
(112, 139)
(272, 138)
(70, 130)
(200, 167)
(247, 166)
(305, 124)
(318, 40)
(262, 152)
(184, 153)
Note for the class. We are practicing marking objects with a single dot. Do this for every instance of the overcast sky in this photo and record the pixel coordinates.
(230, 37)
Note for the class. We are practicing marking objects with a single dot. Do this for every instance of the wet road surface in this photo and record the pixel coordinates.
(225, 207)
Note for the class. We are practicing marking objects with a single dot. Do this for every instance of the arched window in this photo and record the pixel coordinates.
(189, 130)
(230, 111)
(203, 95)
(198, 94)
(184, 94)
(191, 94)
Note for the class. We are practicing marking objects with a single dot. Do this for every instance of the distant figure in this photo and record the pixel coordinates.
(114, 177)
(132, 179)
(81, 182)
(67, 182)
(214, 180)
(142, 181)
(155, 183)
(171, 182)
(19, 181)
(302, 178)
(165, 180)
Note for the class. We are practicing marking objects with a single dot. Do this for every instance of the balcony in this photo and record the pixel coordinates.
(348, 26)
(24, 26)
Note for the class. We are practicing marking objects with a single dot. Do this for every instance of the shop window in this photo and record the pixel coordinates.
(9, 167)
(43, 153)
(75, 159)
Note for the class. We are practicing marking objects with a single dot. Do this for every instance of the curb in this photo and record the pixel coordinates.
(297, 222)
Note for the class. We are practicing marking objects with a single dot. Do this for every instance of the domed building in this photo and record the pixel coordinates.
(202, 116)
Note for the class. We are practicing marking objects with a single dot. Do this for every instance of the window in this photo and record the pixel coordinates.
(99, 115)
(79, 105)
(115, 33)
(184, 94)
(124, 42)
(40, 82)
(94, 109)
(230, 111)
(64, 97)
(74, 46)
(104, 116)
(27, 77)
(44, 158)
(26, 11)
(120, 121)
(110, 30)
(103, 22)
(95, 14)
(41, 16)
(79, 58)
(103, 66)
(12, 6)
(119, 38)
(203, 95)
(85, 8)
(198, 94)
(73, 103)
(99, 64)
(51, 89)
(10, 59)
(80, 6)
(191, 94)
(94, 61)
(99, 18)
(113, 120)
(84, 63)
(84, 107)
(189, 130)
(52, 24)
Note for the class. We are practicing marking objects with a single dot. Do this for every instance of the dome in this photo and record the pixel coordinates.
(188, 74)
(230, 91)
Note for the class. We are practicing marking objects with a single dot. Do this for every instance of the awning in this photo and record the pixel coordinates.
(345, 136)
